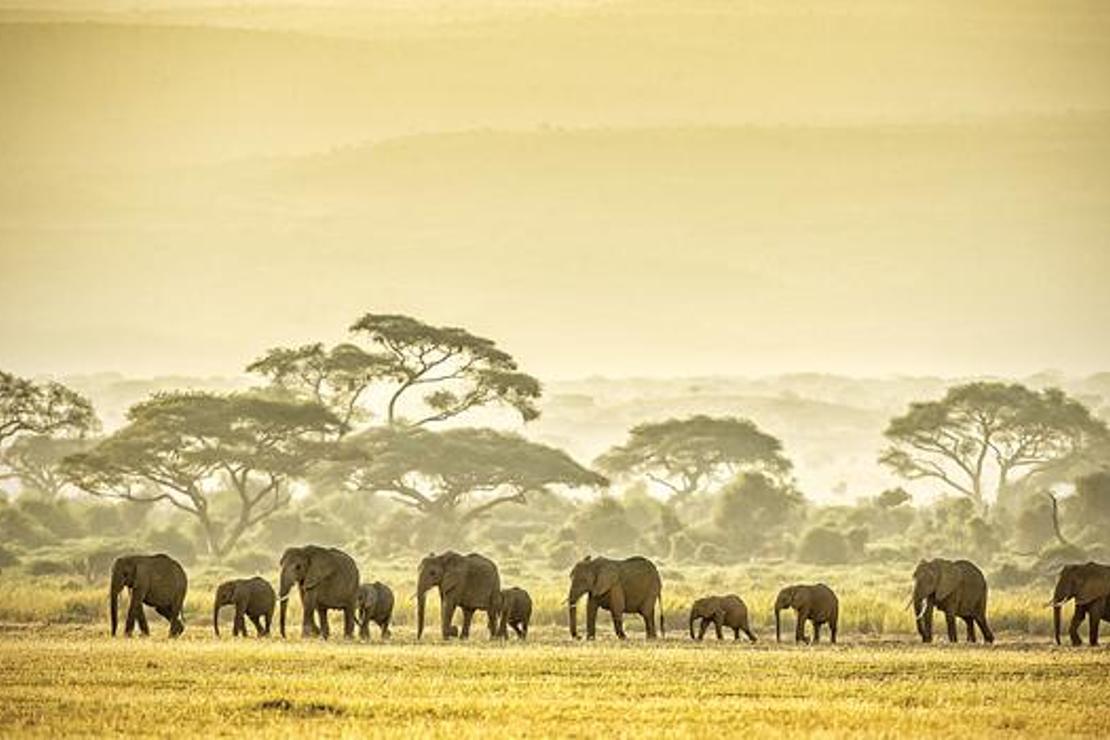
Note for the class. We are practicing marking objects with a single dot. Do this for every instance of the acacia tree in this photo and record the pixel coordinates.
(191, 449)
(690, 455)
(48, 408)
(425, 373)
(35, 460)
(988, 431)
(456, 475)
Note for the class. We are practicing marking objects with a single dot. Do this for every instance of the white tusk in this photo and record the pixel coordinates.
(283, 598)
(921, 614)
(1056, 604)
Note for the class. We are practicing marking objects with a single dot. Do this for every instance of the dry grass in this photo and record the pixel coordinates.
(77, 681)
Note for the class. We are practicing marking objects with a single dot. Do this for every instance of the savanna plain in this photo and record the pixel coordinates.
(60, 673)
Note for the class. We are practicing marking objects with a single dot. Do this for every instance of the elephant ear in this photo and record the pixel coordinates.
(454, 574)
(319, 569)
(1094, 587)
(607, 577)
(948, 582)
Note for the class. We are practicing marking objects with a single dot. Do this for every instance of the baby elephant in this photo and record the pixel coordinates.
(375, 604)
(252, 597)
(729, 611)
(811, 603)
(516, 612)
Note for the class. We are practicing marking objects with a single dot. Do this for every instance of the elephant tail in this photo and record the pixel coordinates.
(662, 627)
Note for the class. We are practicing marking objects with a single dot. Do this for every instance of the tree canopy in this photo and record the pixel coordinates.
(988, 431)
(49, 408)
(459, 474)
(689, 455)
(456, 370)
(188, 449)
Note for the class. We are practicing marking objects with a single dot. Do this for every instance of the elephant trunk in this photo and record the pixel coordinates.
(1056, 622)
(216, 616)
(421, 602)
(778, 624)
(113, 594)
(283, 594)
(692, 625)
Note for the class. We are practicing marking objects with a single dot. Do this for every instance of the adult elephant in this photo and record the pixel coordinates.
(957, 588)
(630, 586)
(1089, 585)
(814, 603)
(253, 598)
(728, 611)
(153, 580)
(468, 582)
(327, 578)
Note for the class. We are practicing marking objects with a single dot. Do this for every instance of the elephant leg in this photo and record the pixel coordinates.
(950, 623)
(717, 627)
(800, 627)
(618, 624)
(468, 617)
(751, 637)
(649, 623)
(520, 629)
(364, 623)
(832, 629)
(591, 617)
(970, 622)
(256, 620)
(1076, 620)
(385, 629)
(735, 633)
(816, 632)
(349, 622)
(702, 628)
(984, 628)
(140, 617)
(325, 628)
(495, 629)
(1094, 614)
(240, 627)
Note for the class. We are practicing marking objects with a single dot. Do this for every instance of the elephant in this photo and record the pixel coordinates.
(253, 598)
(729, 610)
(814, 603)
(375, 604)
(154, 580)
(468, 582)
(957, 588)
(516, 612)
(1089, 585)
(630, 586)
(327, 578)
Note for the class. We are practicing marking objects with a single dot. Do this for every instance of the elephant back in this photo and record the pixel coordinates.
(640, 579)
(483, 578)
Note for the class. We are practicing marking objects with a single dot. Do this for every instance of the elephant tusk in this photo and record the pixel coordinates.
(1056, 604)
(283, 598)
(921, 613)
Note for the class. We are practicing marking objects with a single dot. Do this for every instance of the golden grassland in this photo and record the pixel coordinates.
(76, 680)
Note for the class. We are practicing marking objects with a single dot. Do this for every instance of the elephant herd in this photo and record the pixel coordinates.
(327, 579)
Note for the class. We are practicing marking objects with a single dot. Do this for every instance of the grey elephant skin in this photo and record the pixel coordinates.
(720, 611)
(468, 582)
(516, 612)
(326, 578)
(157, 581)
(630, 586)
(955, 587)
(375, 605)
(815, 603)
(1089, 585)
(253, 598)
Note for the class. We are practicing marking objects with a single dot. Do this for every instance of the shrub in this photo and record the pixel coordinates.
(173, 543)
(562, 555)
(823, 545)
(7, 557)
(713, 554)
(50, 567)
(251, 562)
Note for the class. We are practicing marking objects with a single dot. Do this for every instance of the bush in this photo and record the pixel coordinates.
(562, 555)
(824, 546)
(173, 543)
(50, 567)
(1011, 576)
(713, 554)
(7, 557)
(251, 562)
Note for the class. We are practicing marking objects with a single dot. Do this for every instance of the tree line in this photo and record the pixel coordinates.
(389, 414)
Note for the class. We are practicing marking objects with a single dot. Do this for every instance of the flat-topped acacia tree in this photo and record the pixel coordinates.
(689, 455)
(425, 373)
(49, 408)
(456, 475)
(190, 449)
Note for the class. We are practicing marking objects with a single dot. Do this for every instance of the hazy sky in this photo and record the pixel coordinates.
(653, 188)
